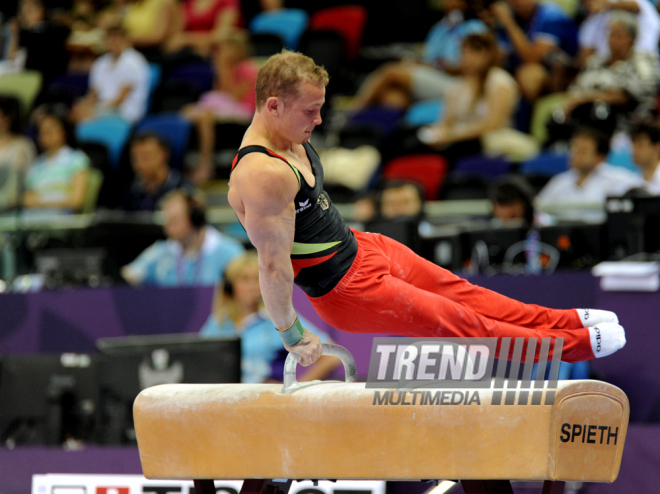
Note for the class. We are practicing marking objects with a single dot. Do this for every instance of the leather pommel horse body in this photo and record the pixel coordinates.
(345, 431)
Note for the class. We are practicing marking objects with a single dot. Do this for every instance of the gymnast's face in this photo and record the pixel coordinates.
(301, 113)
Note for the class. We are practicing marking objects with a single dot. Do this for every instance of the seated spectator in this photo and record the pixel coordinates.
(512, 199)
(194, 253)
(400, 83)
(16, 154)
(153, 177)
(626, 80)
(593, 35)
(238, 309)
(42, 40)
(482, 102)
(118, 81)
(150, 24)
(547, 34)
(57, 181)
(203, 23)
(401, 198)
(232, 98)
(646, 153)
(590, 179)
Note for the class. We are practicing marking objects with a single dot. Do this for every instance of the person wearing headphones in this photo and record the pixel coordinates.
(194, 253)
(238, 309)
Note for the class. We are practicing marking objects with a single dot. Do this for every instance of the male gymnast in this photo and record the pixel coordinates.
(361, 282)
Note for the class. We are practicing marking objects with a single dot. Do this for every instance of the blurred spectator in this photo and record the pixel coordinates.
(512, 199)
(118, 80)
(232, 98)
(194, 253)
(153, 177)
(16, 154)
(590, 179)
(42, 40)
(593, 36)
(482, 102)
(626, 80)
(400, 83)
(646, 153)
(203, 23)
(547, 35)
(58, 178)
(365, 207)
(401, 198)
(150, 24)
(238, 310)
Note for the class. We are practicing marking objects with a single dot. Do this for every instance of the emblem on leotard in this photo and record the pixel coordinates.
(323, 202)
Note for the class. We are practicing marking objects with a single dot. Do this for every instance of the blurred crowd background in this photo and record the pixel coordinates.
(512, 136)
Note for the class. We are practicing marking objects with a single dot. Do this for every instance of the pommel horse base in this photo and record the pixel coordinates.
(269, 435)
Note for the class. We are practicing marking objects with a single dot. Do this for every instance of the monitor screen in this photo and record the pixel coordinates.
(47, 399)
(130, 364)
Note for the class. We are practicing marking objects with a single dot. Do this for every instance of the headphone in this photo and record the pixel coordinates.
(196, 212)
(227, 287)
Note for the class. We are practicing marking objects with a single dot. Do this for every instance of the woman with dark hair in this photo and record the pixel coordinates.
(398, 84)
(483, 101)
(16, 153)
(58, 178)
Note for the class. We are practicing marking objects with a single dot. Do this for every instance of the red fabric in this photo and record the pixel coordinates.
(348, 20)
(204, 21)
(391, 290)
(428, 170)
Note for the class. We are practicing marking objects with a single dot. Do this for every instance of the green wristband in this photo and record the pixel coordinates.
(292, 335)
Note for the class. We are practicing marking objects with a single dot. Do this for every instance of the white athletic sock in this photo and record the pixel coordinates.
(591, 317)
(606, 338)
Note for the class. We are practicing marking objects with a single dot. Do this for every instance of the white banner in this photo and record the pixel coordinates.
(137, 484)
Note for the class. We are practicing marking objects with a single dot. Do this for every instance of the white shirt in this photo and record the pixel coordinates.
(605, 180)
(594, 31)
(108, 77)
(653, 185)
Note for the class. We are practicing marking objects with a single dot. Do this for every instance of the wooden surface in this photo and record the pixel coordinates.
(335, 431)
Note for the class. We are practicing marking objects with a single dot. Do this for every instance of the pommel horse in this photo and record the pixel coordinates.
(269, 435)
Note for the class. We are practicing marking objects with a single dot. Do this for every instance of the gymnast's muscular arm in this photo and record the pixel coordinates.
(262, 193)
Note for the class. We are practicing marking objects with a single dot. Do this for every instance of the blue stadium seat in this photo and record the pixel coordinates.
(545, 165)
(199, 73)
(622, 158)
(155, 75)
(288, 24)
(110, 130)
(424, 113)
(482, 166)
(173, 128)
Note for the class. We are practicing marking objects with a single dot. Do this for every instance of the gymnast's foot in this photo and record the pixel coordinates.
(591, 317)
(606, 338)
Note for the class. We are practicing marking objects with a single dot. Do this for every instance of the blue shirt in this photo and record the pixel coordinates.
(260, 343)
(164, 263)
(552, 25)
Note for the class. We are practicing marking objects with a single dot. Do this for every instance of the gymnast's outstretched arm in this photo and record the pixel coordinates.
(262, 193)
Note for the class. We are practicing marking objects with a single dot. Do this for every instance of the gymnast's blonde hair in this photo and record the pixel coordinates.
(282, 74)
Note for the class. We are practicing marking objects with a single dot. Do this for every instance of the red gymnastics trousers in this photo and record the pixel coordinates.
(391, 290)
